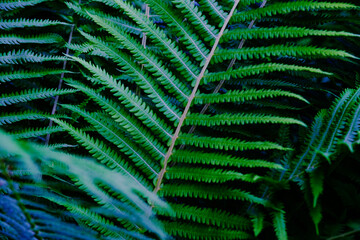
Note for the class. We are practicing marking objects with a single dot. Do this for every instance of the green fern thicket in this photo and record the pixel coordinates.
(179, 119)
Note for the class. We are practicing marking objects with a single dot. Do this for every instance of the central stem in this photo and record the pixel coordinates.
(191, 98)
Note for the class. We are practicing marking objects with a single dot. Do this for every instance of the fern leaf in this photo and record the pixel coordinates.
(35, 132)
(26, 56)
(183, 156)
(97, 221)
(9, 118)
(209, 192)
(214, 10)
(332, 141)
(197, 19)
(240, 119)
(316, 184)
(349, 138)
(32, 94)
(180, 60)
(196, 47)
(244, 95)
(122, 23)
(259, 69)
(84, 176)
(80, 48)
(227, 143)
(144, 81)
(278, 50)
(209, 175)
(8, 5)
(24, 74)
(119, 139)
(102, 152)
(258, 223)
(281, 32)
(15, 39)
(192, 231)
(279, 225)
(128, 122)
(288, 7)
(130, 100)
(206, 216)
(22, 22)
(146, 58)
(312, 140)
(336, 108)
(316, 216)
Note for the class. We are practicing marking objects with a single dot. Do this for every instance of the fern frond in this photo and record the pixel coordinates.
(196, 47)
(128, 122)
(180, 60)
(15, 39)
(209, 175)
(32, 94)
(288, 7)
(312, 140)
(206, 216)
(26, 56)
(102, 152)
(333, 139)
(317, 185)
(26, 74)
(97, 221)
(146, 58)
(80, 48)
(279, 225)
(227, 143)
(238, 119)
(144, 81)
(259, 69)
(191, 157)
(281, 32)
(244, 95)
(8, 5)
(209, 192)
(349, 138)
(278, 50)
(101, 123)
(35, 132)
(258, 223)
(130, 100)
(22, 22)
(8, 118)
(336, 111)
(89, 177)
(214, 10)
(122, 23)
(192, 231)
(197, 19)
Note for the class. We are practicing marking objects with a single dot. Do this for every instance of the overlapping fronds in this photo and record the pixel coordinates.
(28, 218)
(200, 102)
(196, 53)
(32, 94)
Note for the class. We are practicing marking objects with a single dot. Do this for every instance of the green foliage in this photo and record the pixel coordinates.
(205, 104)
(36, 207)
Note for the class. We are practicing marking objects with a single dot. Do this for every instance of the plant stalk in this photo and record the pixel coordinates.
(191, 98)
(53, 111)
(230, 66)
